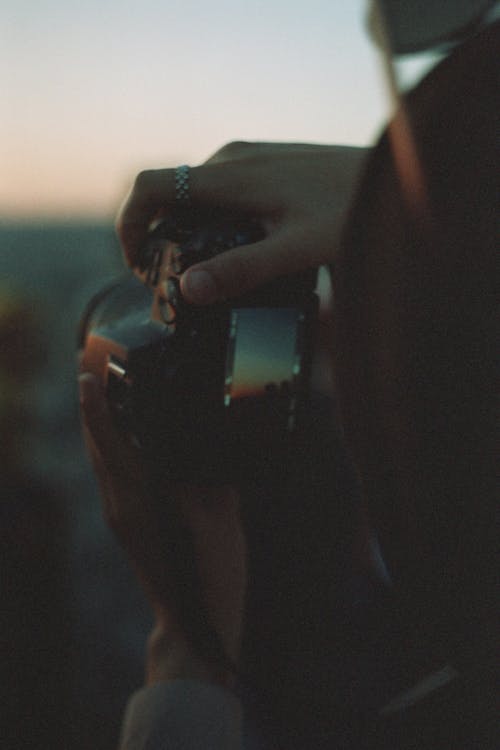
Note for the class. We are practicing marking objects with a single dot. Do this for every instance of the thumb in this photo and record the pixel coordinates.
(235, 272)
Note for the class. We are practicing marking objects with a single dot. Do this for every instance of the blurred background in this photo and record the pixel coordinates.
(91, 93)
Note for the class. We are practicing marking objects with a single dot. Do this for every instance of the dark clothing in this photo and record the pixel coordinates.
(416, 315)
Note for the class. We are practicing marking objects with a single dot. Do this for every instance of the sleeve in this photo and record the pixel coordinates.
(182, 715)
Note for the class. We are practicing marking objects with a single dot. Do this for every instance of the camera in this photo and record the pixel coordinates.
(207, 393)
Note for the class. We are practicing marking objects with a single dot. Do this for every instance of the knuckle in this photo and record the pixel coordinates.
(144, 181)
(234, 148)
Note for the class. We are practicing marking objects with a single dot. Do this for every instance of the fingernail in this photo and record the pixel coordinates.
(198, 286)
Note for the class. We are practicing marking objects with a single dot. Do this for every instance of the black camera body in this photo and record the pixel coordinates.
(207, 393)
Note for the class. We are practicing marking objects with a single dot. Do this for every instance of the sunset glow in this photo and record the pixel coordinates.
(265, 350)
(94, 92)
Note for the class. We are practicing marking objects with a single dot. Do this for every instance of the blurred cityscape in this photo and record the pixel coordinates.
(72, 621)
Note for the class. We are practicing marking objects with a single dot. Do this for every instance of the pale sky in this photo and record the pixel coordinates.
(92, 92)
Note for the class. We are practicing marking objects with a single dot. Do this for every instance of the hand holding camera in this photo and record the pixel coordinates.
(178, 401)
(171, 414)
(298, 192)
(208, 394)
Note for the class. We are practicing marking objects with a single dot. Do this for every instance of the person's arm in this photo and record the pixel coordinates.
(187, 700)
(298, 192)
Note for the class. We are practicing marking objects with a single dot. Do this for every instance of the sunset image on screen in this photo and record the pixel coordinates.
(264, 359)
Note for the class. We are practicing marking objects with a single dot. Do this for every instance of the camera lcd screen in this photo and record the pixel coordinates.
(264, 355)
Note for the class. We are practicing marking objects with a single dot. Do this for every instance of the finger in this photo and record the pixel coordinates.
(151, 190)
(235, 272)
(112, 457)
(213, 185)
(109, 444)
(89, 409)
